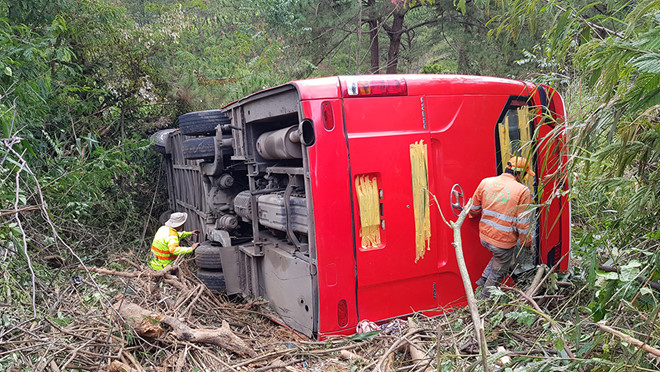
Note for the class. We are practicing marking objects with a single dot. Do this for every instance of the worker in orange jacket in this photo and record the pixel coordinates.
(504, 205)
(165, 246)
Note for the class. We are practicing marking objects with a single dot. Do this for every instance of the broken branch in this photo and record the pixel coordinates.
(148, 324)
(629, 339)
(133, 274)
(547, 317)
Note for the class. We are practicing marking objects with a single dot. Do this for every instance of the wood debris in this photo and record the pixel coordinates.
(168, 321)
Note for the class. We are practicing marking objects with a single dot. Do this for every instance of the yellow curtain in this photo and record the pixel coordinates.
(367, 193)
(420, 190)
(526, 142)
(505, 142)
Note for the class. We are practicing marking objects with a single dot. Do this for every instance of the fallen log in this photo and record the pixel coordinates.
(145, 323)
(348, 355)
(416, 354)
(148, 324)
(536, 282)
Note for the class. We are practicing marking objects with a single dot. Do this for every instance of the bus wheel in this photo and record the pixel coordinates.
(202, 122)
(207, 256)
(213, 280)
(158, 140)
(199, 148)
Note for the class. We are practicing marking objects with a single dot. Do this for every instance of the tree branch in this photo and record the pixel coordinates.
(612, 269)
(591, 25)
(46, 216)
(629, 339)
(9, 212)
(24, 240)
(426, 23)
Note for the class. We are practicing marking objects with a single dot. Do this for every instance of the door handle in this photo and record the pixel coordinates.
(456, 199)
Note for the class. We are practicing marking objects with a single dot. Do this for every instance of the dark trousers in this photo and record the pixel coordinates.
(497, 268)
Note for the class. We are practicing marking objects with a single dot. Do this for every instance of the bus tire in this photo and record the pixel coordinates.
(207, 256)
(158, 140)
(199, 148)
(202, 122)
(214, 280)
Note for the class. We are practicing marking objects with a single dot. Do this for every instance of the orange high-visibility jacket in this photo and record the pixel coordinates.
(165, 247)
(505, 215)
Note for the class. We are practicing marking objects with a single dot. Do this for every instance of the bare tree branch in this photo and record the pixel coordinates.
(58, 238)
(479, 329)
(24, 240)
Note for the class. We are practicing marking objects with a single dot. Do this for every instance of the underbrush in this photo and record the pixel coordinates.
(77, 328)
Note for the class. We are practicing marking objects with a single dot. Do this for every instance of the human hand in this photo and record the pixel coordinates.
(195, 245)
(195, 232)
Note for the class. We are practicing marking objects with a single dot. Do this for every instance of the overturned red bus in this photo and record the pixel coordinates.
(315, 194)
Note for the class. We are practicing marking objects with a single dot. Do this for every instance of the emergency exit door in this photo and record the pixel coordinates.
(514, 136)
(462, 153)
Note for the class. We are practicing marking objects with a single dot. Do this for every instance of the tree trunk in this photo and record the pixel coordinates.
(462, 62)
(395, 41)
(463, 57)
(374, 24)
(121, 121)
(373, 46)
(148, 324)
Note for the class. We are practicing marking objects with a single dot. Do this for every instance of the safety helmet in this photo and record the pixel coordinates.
(520, 164)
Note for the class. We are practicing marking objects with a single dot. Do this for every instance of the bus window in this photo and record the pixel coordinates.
(515, 139)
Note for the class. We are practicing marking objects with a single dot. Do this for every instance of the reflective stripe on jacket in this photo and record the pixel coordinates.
(165, 247)
(505, 215)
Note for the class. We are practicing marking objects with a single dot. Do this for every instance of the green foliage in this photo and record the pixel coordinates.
(605, 56)
(440, 66)
(83, 83)
(524, 317)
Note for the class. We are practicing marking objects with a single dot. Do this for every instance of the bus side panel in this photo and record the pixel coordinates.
(328, 168)
(554, 217)
(556, 107)
(390, 281)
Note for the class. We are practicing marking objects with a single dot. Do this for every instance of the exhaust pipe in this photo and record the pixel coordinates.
(280, 144)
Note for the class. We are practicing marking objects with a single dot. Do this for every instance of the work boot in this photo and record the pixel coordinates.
(485, 293)
(481, 281)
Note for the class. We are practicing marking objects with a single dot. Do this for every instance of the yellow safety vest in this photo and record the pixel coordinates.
(165, 247)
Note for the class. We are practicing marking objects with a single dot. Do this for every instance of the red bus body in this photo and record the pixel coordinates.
(320, 278)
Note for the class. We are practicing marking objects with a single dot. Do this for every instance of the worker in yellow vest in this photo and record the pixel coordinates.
(165, 246)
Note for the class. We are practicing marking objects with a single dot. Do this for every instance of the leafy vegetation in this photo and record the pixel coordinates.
(83, 83)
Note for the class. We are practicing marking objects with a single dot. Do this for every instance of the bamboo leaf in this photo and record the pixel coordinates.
(647, 63)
